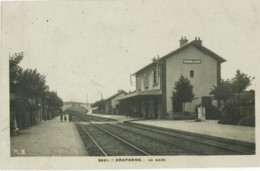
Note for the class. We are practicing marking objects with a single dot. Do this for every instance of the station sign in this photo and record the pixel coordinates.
(192, 61)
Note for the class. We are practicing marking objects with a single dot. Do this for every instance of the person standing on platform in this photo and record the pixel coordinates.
(61, 117)
(65, 118)
(70, 118)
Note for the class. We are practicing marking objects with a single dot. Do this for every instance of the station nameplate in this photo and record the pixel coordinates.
(192, 61)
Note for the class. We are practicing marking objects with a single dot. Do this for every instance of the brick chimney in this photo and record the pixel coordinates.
(183, 41)
(198, 41)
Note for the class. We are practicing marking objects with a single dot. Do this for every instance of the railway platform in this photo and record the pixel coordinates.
(49, 138)
(209, 127)
(119, 118)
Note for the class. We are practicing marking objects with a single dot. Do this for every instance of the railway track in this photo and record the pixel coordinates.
(109, 144)
(155, 146)
(149, 145)
(197, 144)
(134, 139)
(99, 151)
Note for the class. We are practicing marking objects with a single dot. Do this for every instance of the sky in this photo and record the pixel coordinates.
(89, 48)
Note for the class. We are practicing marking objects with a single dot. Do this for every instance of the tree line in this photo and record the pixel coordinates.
(28, 90)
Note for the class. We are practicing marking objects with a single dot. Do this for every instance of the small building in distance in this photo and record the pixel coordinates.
(109, 105)
(112, 102)
(155, 82)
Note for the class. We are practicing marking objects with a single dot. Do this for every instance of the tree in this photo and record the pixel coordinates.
(226, 88)
(223, 91)
(240, 83)
(30, 89)
(183, 92)
(15, 71)
(54, 102)
(32, 84)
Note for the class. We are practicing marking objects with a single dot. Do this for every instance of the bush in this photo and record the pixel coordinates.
(213, 113)
(184, 116)
(231, 115)
(247, 121)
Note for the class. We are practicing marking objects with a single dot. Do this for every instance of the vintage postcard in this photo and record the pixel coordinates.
(118, 84)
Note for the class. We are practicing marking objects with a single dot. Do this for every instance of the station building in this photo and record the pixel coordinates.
(109, 105)
(111, 102)
(155, 82)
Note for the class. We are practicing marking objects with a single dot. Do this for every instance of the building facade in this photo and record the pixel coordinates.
(155, 82)
(109, 105)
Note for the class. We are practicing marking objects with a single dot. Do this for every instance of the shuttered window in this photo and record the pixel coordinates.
(191, 74)
(155, 77)
(146, 80)
(139, 83)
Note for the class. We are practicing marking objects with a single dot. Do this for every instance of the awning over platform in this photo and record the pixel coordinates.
(142, 93)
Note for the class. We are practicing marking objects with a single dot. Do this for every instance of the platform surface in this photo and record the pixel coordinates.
(49, 138)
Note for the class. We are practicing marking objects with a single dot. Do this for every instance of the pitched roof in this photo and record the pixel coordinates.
(142, 93)
(118, 93)
(192, 43)
(150, 64)
(97, 103)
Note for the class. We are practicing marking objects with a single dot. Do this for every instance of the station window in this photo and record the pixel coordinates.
(146, 80)
(138, 83)
(191, 74)
(155, 77)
